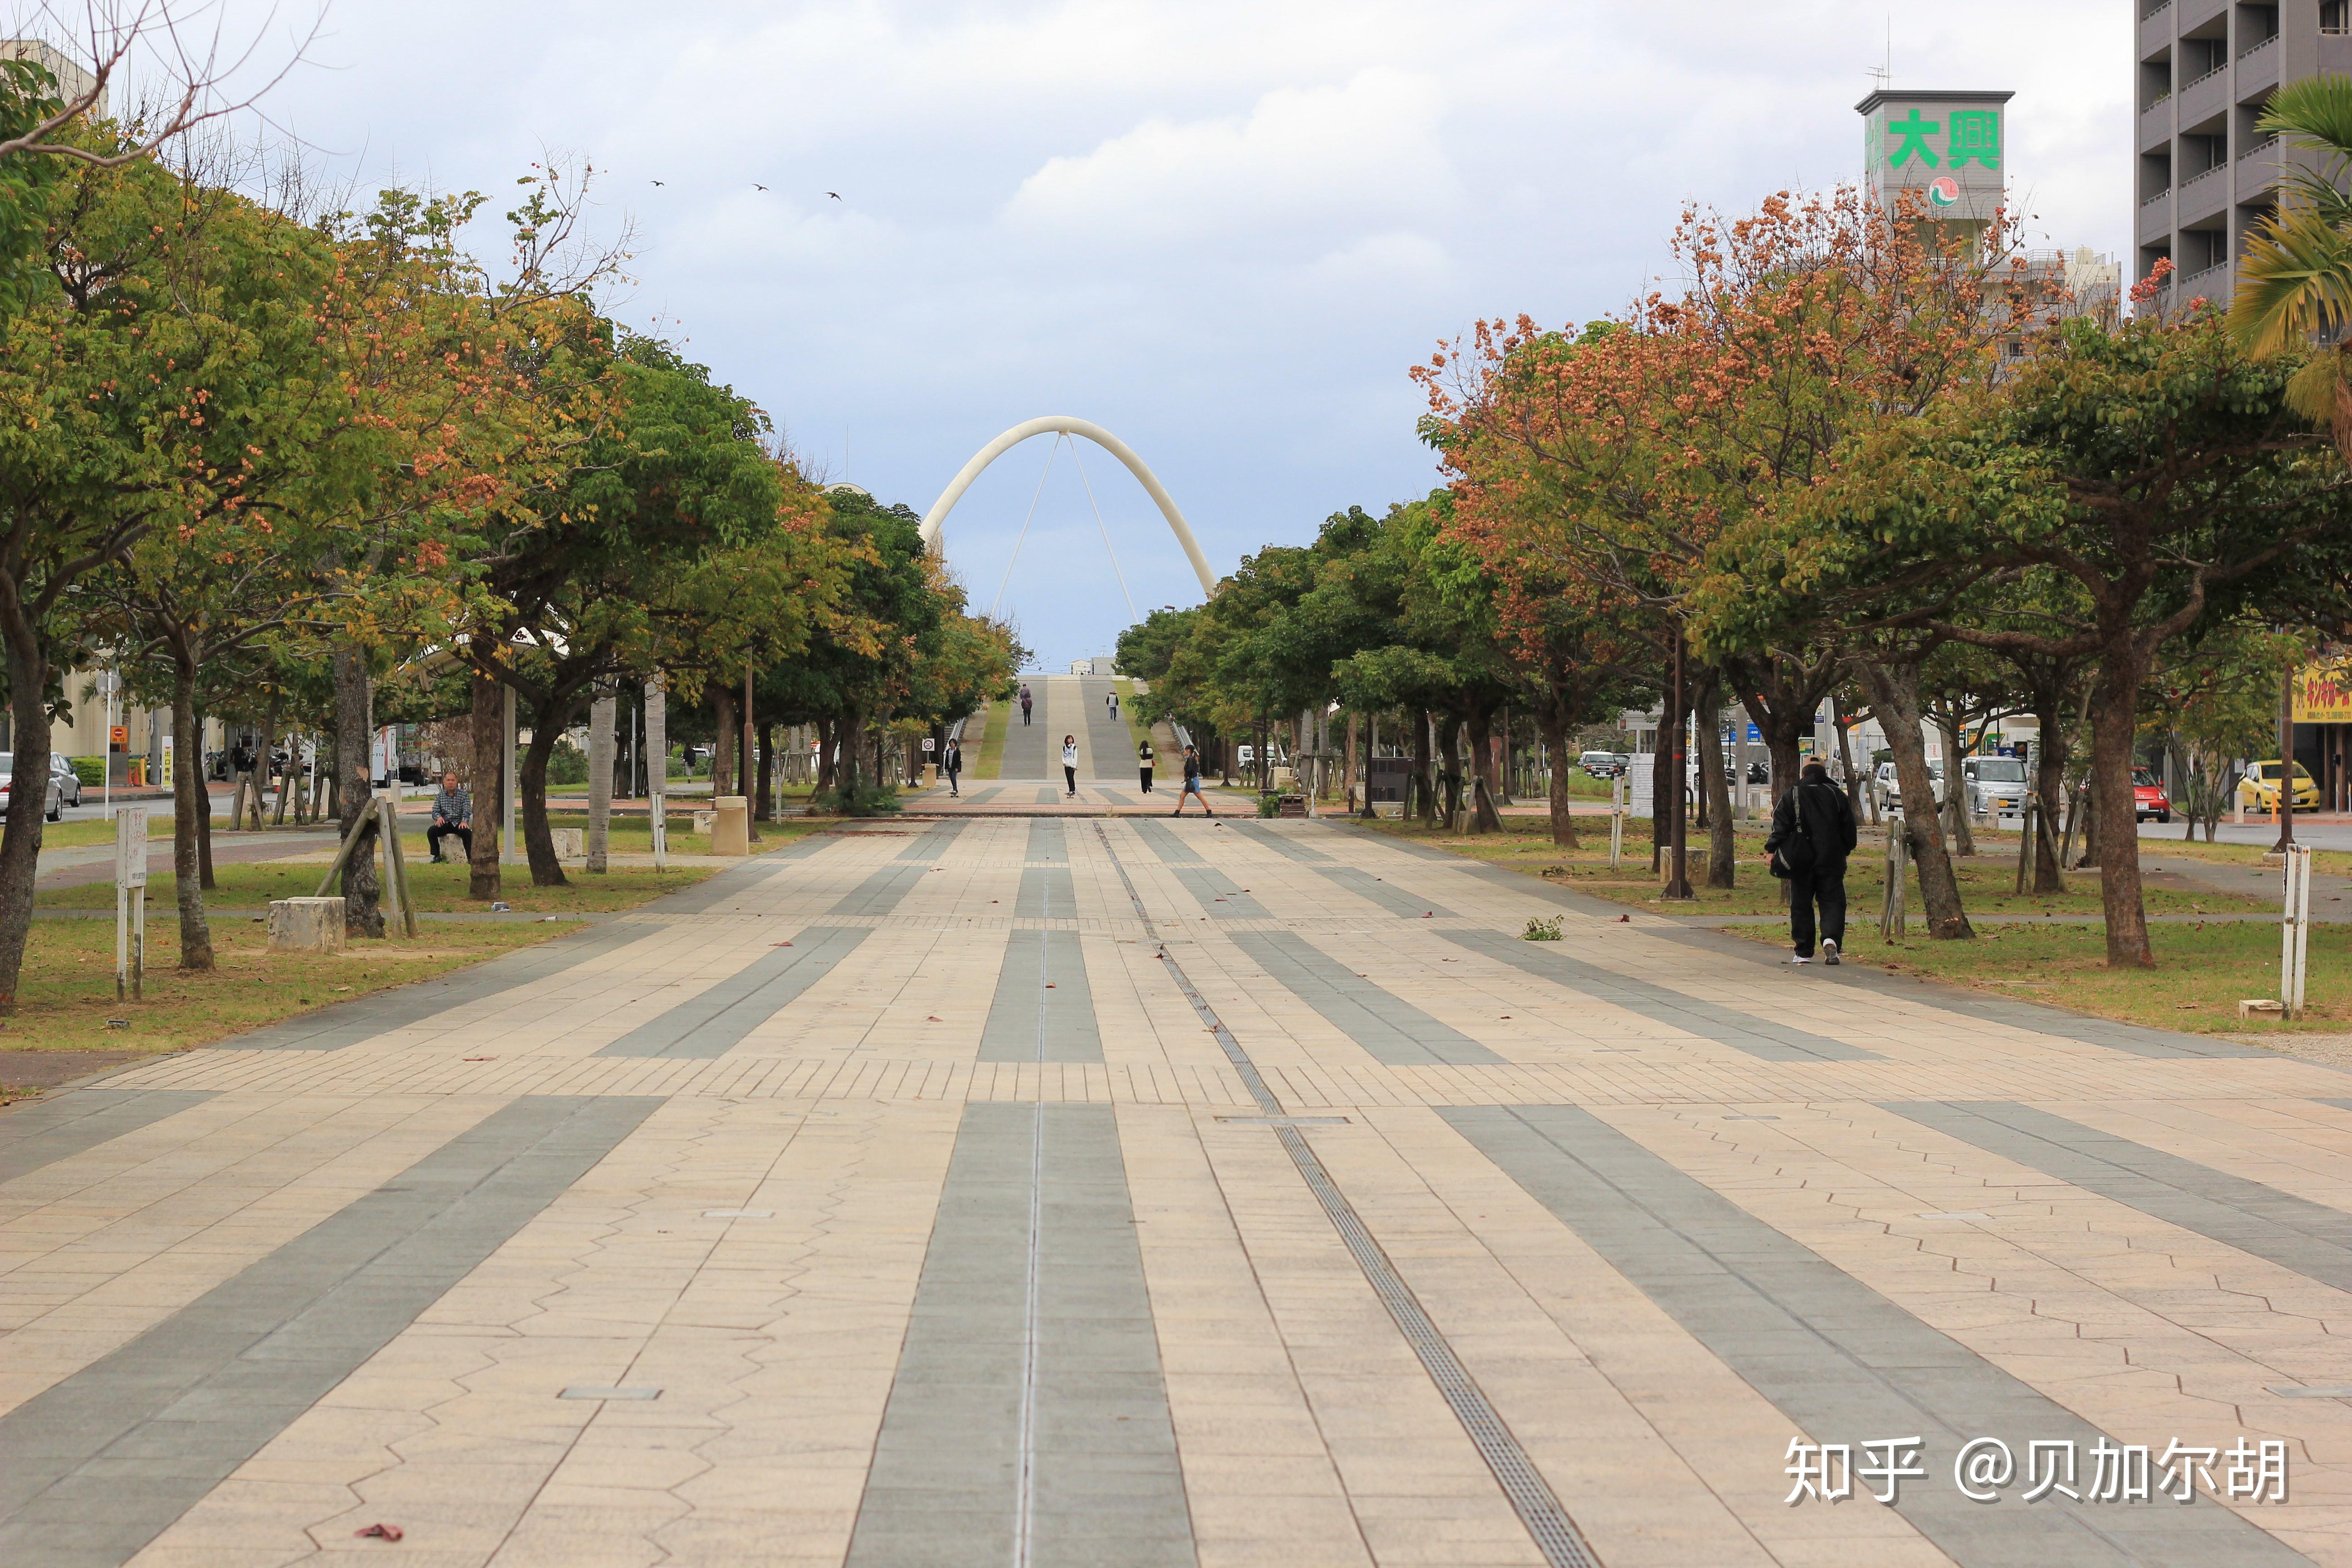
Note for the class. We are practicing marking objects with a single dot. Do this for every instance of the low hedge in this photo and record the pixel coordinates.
(92, 771)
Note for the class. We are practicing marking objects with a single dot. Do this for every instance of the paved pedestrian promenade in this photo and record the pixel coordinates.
(1095, 1192)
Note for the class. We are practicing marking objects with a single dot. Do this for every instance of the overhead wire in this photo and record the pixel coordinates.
(1051, 453)
(1131, 616)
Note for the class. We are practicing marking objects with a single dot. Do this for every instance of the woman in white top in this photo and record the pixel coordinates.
(1070, 762)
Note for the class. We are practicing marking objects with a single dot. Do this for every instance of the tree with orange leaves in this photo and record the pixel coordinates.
(1625, 452)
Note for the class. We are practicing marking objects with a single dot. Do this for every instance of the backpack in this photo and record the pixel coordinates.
(1797, 854)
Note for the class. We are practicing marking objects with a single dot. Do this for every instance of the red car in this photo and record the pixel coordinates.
(2148, 798)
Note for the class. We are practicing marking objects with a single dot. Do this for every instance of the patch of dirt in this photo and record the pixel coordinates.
(2336, 1050)
(27, 1071)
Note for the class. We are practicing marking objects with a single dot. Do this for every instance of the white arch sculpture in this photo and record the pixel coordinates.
(1064, 425)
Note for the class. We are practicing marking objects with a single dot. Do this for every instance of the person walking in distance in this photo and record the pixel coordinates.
(951, 764)
(1024, 704)
(1813, 832)
(1192, 784)
(1143, 761)
(1070, 765)
(1112, 698)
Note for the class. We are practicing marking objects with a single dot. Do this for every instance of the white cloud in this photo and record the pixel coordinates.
(1302, 162)
(1221, 227)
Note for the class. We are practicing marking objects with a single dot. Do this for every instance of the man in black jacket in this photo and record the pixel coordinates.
(1813, 832)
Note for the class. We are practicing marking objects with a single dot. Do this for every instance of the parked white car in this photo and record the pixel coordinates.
(53, 804)
(1890, 788)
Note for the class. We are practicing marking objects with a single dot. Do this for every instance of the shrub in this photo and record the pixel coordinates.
(567, 764)
(92, 771)
(1539, 930)
(1269, 805)
(866, 800)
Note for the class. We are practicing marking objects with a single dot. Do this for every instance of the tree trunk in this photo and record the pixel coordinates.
(203, 813)
(1555, 736)
(844, 772)
(824, 754)
(546, 727)
(1956, 790)
(1665, 786)
(1722, 846)
(600, 783)
(1449, 752)
(1482, 816)
(488, 779)
(1894, 698)
(764, 809)
(191, 804)
(20, 843)
(2113, 728)
(354, 726)
(722, 750)
(1424, 763)
(2049, 783)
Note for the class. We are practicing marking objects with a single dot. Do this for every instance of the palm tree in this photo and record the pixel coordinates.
(2295, 287)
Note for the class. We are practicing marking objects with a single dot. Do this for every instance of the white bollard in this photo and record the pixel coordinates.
(2294, 933)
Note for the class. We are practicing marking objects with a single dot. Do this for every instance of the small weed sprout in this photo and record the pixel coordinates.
(1542, 930)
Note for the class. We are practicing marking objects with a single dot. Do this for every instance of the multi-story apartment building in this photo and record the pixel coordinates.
(2204, 71)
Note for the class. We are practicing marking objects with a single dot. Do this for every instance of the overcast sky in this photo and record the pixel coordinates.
(1221, 230)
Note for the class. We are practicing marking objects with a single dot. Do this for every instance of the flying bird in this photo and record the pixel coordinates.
(659, 182)
(758, 186)
(835, 194)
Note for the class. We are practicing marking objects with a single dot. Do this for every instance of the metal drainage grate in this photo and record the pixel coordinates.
(1286, 1121)
(1555, 1534)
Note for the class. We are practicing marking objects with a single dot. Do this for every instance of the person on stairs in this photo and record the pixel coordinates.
(951, 764)
(1143, 761)
(1070, 765)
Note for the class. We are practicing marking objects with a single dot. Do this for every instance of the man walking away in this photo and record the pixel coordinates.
(951, 764)
(1143, 761)
(453, 812)
(1070, 765)
(1024, 705)
(1813, 832)
(1192, 784)
(1112, 699)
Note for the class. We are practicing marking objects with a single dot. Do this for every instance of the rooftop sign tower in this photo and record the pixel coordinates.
(1947, 149)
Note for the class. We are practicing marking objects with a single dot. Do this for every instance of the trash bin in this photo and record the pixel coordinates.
(730, 830)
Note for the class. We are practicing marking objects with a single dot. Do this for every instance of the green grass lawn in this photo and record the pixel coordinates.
(67, 993)
(2202, 971)
(1987, 879)
(985, 745)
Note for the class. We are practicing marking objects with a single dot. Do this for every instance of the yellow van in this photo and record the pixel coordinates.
(2258, 789)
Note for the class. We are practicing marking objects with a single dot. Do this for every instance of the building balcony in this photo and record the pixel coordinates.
(2202, 195)
(2258, 68)
(2212, 283)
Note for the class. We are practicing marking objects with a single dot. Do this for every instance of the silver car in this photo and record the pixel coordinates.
(1890, 787)
(1997, 786)
(69, 781)
(53, 805)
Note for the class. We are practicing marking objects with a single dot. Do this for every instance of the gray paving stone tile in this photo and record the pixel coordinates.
(712, 1022)
(1392, 1030)
(1795, 1341)
(63, 1125)
(1105, 1489)
(103, 1461)
(1726, 1025)
(2310, 1239)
